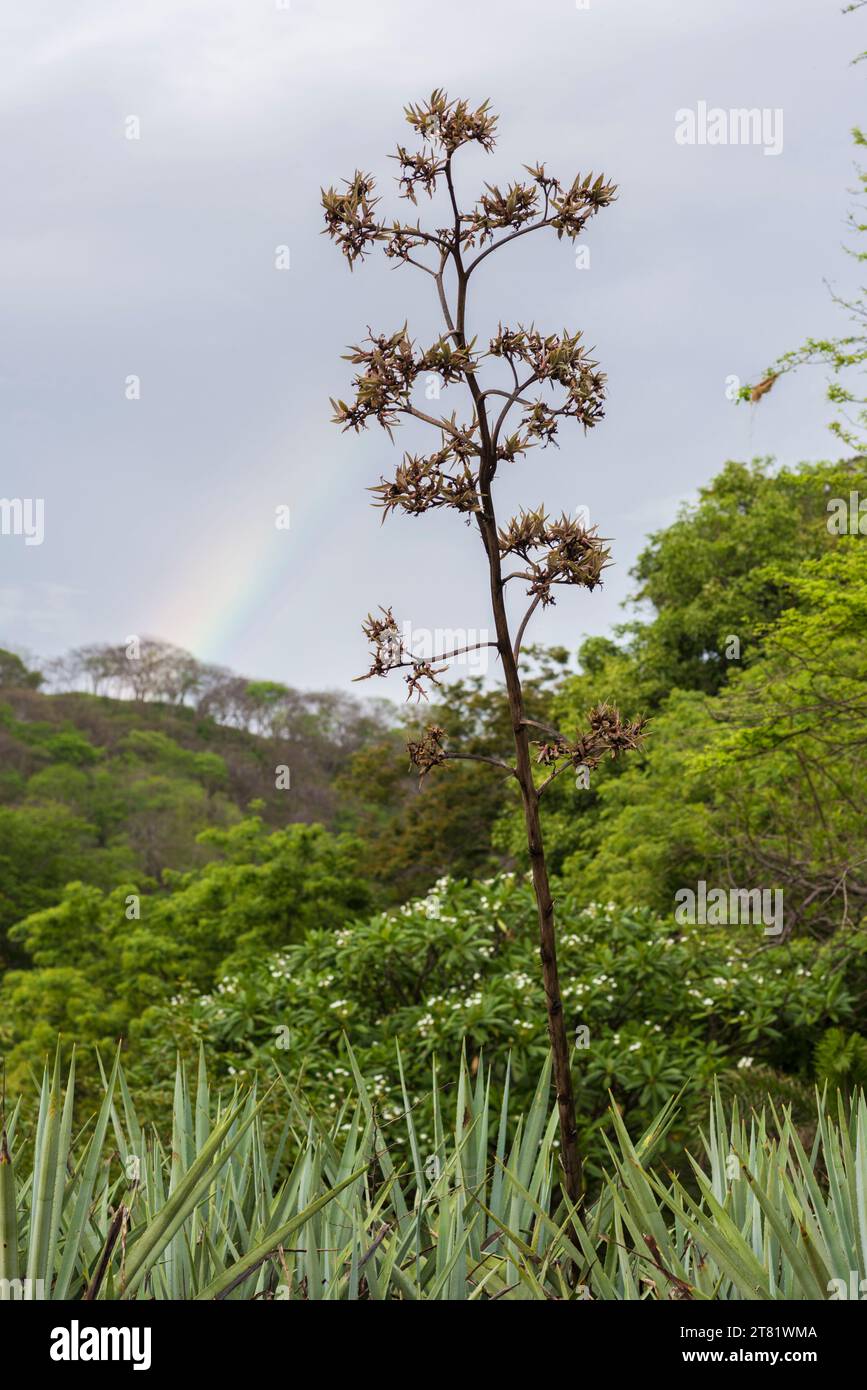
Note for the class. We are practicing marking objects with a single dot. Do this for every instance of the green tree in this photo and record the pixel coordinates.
(762, 783)
(99, 960)
(14, 673)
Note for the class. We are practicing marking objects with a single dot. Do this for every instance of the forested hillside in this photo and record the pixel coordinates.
(121, 776)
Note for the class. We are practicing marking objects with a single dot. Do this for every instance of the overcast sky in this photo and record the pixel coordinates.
(155, 258)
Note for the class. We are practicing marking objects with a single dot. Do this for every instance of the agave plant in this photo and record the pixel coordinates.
(766, 1219)
(352, 1207)
(95, 1219)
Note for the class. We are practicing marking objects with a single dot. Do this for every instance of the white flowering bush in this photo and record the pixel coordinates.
(654, 1008)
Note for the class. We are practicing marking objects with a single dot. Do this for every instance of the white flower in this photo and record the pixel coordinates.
(744, 1063)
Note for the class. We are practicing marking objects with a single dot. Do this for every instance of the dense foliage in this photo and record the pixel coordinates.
(349, 1206)
(104, 789)
(654, 1008)
(157, 888)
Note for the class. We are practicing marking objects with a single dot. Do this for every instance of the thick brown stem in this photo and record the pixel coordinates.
(556, 1021)
(571, 1176)
(571, 1163)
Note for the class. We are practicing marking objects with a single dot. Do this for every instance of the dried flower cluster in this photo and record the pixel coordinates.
(559, 360)
(388, 653)
(383, 389)
(428, 752)
(422, 671)
(386, 646)
(391, 365)
(566, 210)
(608, 734)
(423, 483)
(444, 126)
(386, 382)
(349, 218)
(570, 552)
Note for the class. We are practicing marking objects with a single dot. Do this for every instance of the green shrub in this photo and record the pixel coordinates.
(666, 1008)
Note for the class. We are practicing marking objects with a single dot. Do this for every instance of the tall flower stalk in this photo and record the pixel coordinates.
(537, 382)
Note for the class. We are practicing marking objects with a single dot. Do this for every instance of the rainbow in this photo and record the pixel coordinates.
(227, 586)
